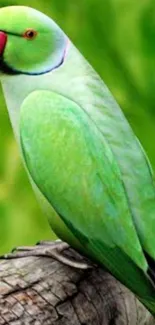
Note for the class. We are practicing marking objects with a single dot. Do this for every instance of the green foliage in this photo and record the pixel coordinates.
(118, 39)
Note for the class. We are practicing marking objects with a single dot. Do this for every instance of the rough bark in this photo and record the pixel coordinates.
(42, 291)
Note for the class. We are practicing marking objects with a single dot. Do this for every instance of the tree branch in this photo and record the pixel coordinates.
(42, 291)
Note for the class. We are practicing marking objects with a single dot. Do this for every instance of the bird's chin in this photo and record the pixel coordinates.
(5, 68)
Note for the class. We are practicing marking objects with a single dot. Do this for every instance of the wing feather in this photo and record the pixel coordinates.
(73, 166)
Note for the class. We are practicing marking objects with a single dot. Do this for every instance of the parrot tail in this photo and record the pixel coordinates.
(140, 282)
(150, 305)
(151, 269)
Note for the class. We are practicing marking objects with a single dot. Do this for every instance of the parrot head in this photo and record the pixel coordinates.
(30, 42)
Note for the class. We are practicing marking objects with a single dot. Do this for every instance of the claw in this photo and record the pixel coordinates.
(15, 255)
(48, 242)
(47, 249)
(23, 249)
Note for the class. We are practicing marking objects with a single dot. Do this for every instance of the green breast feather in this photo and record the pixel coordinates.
(73, 165)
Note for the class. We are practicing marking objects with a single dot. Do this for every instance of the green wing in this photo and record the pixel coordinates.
(74, 167)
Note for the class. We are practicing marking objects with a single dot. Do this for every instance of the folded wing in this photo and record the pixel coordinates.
(74, 167)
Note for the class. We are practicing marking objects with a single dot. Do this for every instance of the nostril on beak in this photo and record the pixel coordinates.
(3, 40)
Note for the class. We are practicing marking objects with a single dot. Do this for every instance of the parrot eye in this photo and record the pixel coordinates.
(30, 34)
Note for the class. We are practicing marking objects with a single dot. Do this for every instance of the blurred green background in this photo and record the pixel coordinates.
(118, 39)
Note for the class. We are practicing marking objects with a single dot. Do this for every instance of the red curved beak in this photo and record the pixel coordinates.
(3, 40)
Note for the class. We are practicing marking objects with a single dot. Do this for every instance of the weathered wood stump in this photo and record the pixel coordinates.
(42, 291)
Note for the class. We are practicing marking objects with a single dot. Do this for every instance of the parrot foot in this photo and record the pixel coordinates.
(47, 249)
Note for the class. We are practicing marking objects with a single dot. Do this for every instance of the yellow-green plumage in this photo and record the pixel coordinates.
(73, 166)
(96, 181)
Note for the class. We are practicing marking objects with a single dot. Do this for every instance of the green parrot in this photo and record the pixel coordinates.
(89, 170)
